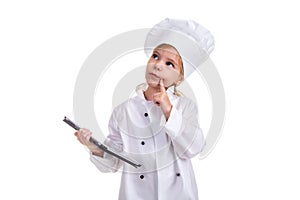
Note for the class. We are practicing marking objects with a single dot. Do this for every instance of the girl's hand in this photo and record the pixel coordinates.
(83, 136)
(161, 99)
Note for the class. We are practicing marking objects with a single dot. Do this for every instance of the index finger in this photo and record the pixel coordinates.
(162, 86)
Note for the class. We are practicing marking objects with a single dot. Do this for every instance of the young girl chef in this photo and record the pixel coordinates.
(158, 127)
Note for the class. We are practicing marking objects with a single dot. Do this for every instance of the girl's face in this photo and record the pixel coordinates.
(165, 63)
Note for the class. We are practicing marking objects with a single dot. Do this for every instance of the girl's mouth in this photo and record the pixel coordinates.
(154, 75)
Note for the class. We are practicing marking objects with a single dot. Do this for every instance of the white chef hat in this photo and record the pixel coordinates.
(193, 42)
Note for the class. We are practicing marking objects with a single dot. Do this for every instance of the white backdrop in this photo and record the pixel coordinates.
(44, 44)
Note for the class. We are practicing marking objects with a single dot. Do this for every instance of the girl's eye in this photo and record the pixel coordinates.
(170, 64)
(155, 56)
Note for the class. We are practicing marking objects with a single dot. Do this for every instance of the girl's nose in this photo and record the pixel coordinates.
(158, 65)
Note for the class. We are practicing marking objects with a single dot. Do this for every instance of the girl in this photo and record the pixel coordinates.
(158, 127)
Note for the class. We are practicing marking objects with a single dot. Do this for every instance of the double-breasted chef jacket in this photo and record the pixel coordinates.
(138, 129)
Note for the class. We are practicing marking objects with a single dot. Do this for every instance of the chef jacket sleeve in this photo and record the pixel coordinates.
(108, 163)
(183, 129)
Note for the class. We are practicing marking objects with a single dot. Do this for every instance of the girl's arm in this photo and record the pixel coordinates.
(183, 129)
(106, 162)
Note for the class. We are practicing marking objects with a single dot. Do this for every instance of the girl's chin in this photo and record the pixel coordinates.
(153, 83)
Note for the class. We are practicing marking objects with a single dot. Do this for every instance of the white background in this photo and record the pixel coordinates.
(42, 48)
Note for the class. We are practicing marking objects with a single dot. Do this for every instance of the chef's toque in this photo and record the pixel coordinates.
(193, 42)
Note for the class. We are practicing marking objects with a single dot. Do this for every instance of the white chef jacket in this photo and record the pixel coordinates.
(138, 129)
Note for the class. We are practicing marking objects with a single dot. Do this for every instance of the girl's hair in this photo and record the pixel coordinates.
(164, 46)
